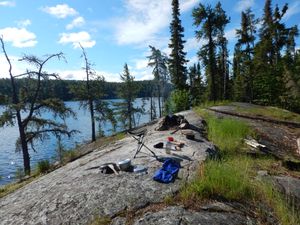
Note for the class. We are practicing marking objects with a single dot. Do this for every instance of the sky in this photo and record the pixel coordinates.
(113, 32)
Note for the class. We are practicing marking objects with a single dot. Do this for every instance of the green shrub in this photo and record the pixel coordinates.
(179, 100)
(70, 155)
(43, 166)
(19, 174)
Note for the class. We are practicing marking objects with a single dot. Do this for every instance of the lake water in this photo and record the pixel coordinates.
(11, 160)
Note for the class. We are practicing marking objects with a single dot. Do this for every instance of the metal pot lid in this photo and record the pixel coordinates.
(140, 169)
(125, 161)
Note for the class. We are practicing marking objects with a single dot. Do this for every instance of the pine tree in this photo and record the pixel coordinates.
(158, 61)
(177, 59)
(212, 22)
(222, 55)
(28, 103)
(196, 84)
(244, 51)
(91, 94)
(269, 66)
(127, 92)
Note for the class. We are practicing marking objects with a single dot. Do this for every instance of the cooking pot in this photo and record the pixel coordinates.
(124, 165)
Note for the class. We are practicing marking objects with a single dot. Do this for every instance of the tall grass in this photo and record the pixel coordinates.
(227, 179)
(227, 134)
(232, 177)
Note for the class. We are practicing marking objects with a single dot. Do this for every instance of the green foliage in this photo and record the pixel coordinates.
(196, 85)
(19, 174)
(269, 83)
(179, 100)
(43, 166)
(158, 61)
(70, 155)
(228, 179)
(177, 58)
(124, 109)
(243, 58)
(29, 103)
(214, 54)
(232, 176)
(227, 134)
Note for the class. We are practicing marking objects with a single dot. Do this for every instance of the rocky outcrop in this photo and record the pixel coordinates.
(290, 187)
(181, 216)
(75, 193)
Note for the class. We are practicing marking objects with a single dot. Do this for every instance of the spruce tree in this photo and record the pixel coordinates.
(269, 66)
(212, 22)
(125, 109)
(158, 61)
(243, 82)
(177, 59)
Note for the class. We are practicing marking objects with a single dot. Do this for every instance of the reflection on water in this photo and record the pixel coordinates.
(11, 160)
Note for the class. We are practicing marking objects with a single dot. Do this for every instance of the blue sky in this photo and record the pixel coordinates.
(112, 31)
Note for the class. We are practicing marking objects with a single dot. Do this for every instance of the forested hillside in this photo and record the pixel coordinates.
(61, 88)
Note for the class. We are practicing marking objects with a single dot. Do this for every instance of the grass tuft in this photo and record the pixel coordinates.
(232, 177)
(43, 166)
(101, 220)
(227, 134)
(227, 179)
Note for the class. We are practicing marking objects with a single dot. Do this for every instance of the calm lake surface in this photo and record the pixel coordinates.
(10, 160)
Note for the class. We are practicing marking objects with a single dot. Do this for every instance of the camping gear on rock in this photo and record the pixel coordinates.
(159, 145)
(109, 168)
(124, 165)
(170, 122)
(168, 172)
(140, 169)
(169, 147)
(170, 139)
(190, 135)
(139, 135)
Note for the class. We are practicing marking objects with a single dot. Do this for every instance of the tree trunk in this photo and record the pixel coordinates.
(91, 106)
(26, 158)
(24, 146)
(129, 115)
(212, 69)
(159, 103)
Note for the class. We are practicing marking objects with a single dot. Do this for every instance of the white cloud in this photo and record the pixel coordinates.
(192, 61)
(82, 37)
(24, 23)
(20, 37)
(7, 3)
(17, 66)
(143, 22)
(193, 44)
(141, 64)
(242, 5)
(77, 22)
(292, 10)
(231, 34)
(60, 11)
(186, 5)
(80, 75)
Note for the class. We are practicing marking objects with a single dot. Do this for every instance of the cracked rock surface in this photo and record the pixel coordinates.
(177, 215)
(75, 193)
